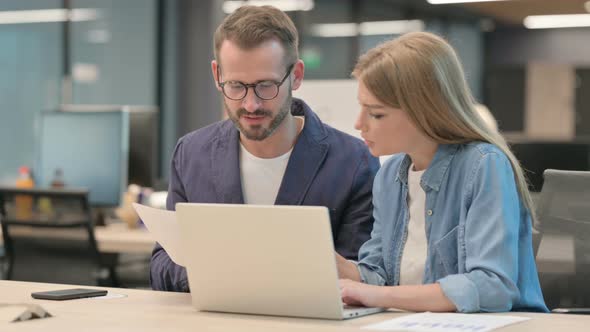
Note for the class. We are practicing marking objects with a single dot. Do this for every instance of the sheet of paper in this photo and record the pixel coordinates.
(164, 226)
(443, 322)
(14, 312)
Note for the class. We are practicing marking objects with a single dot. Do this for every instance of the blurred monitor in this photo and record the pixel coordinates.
(536, 157)
(91, 148)
(143, 146)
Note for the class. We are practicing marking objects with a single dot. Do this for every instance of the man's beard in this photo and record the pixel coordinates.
(259, 132)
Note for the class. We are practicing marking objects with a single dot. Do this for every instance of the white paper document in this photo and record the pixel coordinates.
(443, 322)
(16, 312)
(164, 226)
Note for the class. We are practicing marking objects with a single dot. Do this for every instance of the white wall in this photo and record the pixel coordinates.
(334, 101)
(549, 107)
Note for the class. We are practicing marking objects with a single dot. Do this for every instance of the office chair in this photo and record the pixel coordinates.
(536, 157)
(564, 213)
(537, 236)
(49, 237)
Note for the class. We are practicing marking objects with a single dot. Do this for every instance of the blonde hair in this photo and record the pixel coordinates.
(421, 74)
(250, 26)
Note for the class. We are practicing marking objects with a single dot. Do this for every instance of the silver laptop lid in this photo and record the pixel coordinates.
(270, 260)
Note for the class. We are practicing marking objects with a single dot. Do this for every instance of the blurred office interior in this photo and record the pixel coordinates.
(92, 58)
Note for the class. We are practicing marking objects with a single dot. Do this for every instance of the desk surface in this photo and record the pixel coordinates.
(114, 238)
(119, 238)
(143, 310)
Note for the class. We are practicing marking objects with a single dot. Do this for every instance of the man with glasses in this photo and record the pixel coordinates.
(273, 149)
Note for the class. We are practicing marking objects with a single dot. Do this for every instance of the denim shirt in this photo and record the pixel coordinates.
(479, 233)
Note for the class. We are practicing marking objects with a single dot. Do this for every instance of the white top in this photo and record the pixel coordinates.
(414, 254)
(261, 177)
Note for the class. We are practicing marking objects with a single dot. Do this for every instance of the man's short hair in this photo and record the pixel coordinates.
(250, 26)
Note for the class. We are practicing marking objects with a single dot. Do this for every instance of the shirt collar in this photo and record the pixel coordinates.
(437, 169)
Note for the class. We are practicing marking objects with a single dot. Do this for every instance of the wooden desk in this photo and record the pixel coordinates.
(118, 238)
(113, 238)
(160, 311)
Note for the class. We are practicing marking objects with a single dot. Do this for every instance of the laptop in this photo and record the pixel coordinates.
(262, 259)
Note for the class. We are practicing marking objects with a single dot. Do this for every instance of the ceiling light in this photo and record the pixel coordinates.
(557, 21)
(47, 15)
(444, 2)
(390, 27)
(334, 30)
(366, 28)
(78, 15)
(230, 6)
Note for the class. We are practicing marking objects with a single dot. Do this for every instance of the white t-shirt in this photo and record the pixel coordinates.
(414, 254)
(262, 177)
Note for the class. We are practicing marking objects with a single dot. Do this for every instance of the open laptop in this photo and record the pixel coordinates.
(269, 260)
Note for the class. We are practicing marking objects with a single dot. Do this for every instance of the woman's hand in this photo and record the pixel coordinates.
(359, 294)
(410, 297)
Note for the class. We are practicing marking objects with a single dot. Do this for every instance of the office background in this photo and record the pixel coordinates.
(150, 52)
(157, 53)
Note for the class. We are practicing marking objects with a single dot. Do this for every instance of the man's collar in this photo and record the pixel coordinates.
(313, 125)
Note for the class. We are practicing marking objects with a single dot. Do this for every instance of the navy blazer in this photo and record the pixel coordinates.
(326, 168)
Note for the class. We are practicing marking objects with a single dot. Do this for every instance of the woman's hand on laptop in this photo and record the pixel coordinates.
(359, 294)
(429, 297)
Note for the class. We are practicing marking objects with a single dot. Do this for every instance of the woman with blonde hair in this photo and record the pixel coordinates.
(452, 210)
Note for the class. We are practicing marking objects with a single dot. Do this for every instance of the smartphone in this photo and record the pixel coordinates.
(68, 294)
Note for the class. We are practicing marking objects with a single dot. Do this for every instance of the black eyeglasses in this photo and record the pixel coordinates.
(265, 90)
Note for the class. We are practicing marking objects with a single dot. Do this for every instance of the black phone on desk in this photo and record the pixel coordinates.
(68, 294)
